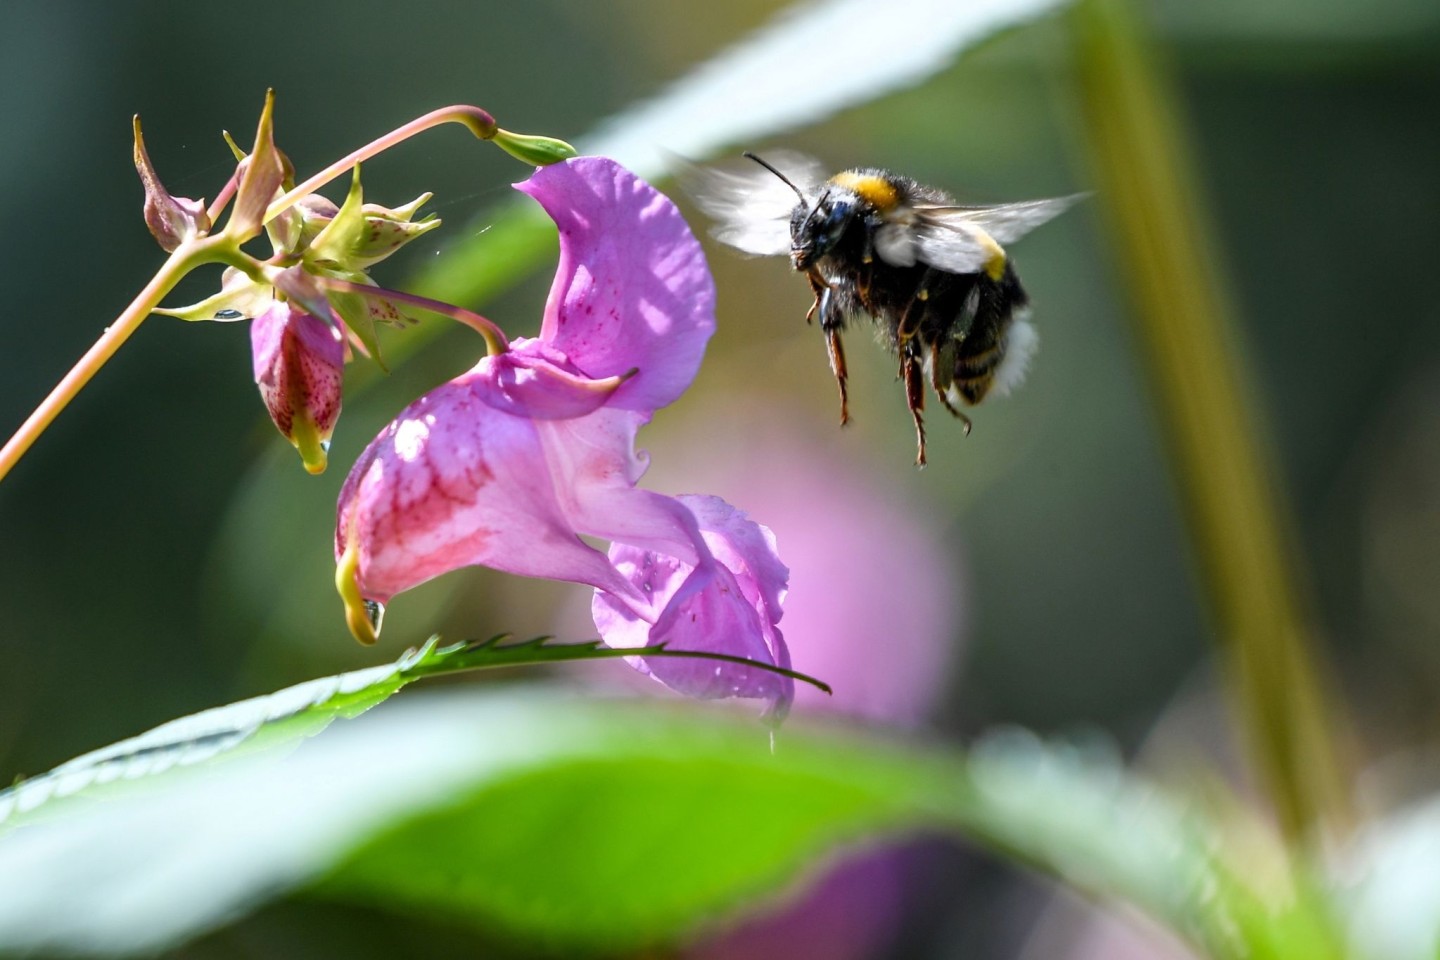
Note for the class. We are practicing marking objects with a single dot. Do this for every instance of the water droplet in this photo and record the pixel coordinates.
(228, 314)
(375, 613)
(325, 445)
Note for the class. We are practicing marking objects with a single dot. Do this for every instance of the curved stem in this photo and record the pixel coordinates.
(222, 199)
(474, 119)
(495, 341)
(185, 258)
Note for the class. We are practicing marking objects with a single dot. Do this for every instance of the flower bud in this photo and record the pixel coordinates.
(534, 150)
(264, 173)
(299, 362)
(172, 220)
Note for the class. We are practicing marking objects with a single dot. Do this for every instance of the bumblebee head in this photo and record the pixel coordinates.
(816, 227)
(815, 230)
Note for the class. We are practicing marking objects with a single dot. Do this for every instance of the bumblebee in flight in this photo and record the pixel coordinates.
(933, 274)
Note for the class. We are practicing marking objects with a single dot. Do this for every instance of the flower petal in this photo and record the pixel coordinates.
(729, 604)
(595, 466)
(535, 380)
(454, 482)
(632, 290)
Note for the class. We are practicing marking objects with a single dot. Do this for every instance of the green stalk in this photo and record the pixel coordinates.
(1236, 518)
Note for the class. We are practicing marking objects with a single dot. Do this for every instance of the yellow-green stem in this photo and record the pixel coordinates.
(184, 259)
(1236, 517)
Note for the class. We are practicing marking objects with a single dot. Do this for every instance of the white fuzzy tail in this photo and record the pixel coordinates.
(1021, 340)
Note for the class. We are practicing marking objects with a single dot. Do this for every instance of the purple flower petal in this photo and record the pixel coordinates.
(632, 290)
(454, 482)
(729, 604)
(537, 381)
(595, 468)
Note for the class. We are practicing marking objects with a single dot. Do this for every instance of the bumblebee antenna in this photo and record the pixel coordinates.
(783, 179)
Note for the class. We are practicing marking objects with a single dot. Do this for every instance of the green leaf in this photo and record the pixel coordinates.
(305, 709)
(591, 826)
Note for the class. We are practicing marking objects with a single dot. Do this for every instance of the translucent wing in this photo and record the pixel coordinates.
(751, 206)
(1008, 222)
(961, 239)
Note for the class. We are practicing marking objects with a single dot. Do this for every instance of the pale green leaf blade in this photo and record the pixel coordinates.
(592, 825)
(1392, 897)
(304, 710)
(766, 84)
(815, 60)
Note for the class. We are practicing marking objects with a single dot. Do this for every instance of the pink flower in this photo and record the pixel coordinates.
(299, 363)
(508, 465)
(728, 604)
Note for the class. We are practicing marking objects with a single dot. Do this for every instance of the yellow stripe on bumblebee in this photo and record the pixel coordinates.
(870, 188)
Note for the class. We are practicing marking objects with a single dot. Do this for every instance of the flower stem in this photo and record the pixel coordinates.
(182, 260)
(1236, 517)
(495, 341)
(222, 199)
(474, 119)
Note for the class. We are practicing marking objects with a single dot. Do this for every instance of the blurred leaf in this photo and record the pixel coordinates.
(1394, 902)
(782, 77)
(590, 825)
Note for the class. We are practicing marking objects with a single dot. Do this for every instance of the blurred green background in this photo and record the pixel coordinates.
(161, 550)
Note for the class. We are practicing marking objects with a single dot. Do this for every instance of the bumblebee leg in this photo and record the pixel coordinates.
(818, 287)
(907, 329)
(942, 361)
(832, 321)
(837, 367)
(911, 372)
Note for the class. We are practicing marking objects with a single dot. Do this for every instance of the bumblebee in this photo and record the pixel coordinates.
(931, 273)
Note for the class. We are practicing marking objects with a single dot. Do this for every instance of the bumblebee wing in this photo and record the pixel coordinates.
(966, 239)
(949, 244)
(751, 206)
(1008, 222)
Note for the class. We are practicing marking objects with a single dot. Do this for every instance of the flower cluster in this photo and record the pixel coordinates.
(312, 301)
(512, 463)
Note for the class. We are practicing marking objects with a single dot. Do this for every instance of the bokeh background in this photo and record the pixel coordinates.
(161, 550)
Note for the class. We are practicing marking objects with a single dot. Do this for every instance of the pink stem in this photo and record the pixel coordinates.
(477, 121)
(495, 340)
(184, 258)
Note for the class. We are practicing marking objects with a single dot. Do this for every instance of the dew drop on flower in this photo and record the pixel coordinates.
(375, 613)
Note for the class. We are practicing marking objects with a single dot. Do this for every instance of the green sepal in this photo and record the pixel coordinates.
(534, 150)
(264, 175)
(238, 293)
(356, 311)
(345, 232)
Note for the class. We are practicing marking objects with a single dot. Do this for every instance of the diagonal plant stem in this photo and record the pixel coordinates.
(1236, 517)
(185, 258)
